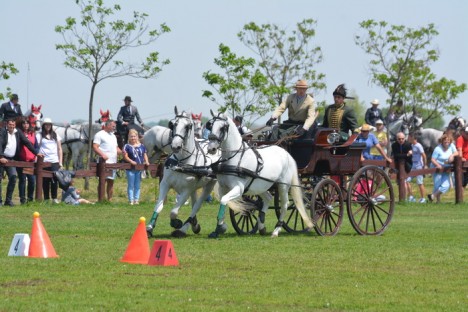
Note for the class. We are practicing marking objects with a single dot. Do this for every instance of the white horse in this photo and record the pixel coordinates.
(186, 171)
(157, 141)
(245, 170)
(75, 140)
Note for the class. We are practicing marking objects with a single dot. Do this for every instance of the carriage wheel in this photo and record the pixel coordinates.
(370, 201)
(292, 222)
(246, 222)
(327, 208)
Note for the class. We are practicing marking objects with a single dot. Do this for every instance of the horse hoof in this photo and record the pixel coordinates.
(149, 231)
(196, 228)
(262, 231)
(178, 234)
(221, 228)
(274, 235)
(213, 235)
(176, 223)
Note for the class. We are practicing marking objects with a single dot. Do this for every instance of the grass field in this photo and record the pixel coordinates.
(419, 264)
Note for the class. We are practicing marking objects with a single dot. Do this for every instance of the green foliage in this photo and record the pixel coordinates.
(400, 63)
(95, 44)
(240, 86)
(285, 57)
(6, 70)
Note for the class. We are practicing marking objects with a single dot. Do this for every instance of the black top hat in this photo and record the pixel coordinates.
(128, 98)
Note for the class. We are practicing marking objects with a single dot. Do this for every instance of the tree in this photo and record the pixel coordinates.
(6, 70)
(400, 63)
(285, 57)
(93, 44)
(240, 87)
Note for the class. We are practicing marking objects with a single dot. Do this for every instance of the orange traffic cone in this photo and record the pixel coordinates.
(40, 246)
(138, 250)
(163, 253)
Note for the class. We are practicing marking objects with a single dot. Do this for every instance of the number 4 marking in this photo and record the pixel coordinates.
(158, 253)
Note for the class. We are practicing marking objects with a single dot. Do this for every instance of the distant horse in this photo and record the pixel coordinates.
(35, 114)
(244, 170)
(75, 140)
(402, 124)
(157, 141)
(455, 126)
(198, 128)
(186, 171)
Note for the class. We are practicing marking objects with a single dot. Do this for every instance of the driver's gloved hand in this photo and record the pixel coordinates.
(300, 131)
(270, 121)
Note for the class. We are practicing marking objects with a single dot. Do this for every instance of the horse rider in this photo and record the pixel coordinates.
(301, 111)
(11, 109)
(126, 119)
(373, 113)
(340, 116)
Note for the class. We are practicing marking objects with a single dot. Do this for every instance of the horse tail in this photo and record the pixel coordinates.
(297, 195)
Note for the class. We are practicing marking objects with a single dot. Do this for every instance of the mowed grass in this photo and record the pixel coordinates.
(419, 264)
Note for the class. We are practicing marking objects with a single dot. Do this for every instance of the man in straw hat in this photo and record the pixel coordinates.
(340, 116)
(373, 113)
(301, 110)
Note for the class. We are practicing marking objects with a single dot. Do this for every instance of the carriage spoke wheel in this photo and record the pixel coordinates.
(327, 208)
(292, 221)
(246, 222)
(370, 201)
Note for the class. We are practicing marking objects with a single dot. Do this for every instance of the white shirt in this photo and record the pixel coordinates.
(107, 144)
(49, 148)
(10, 148)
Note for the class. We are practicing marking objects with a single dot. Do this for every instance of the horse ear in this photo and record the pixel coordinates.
(100, 112)
(108, 113)
(211, 111)
(39, 107)
(176, 111)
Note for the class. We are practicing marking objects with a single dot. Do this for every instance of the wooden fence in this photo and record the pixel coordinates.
(458, 168)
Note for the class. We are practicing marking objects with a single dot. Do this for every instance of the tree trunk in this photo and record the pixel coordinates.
(90, 128)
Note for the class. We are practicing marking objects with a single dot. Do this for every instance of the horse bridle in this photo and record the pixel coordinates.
(223, 131)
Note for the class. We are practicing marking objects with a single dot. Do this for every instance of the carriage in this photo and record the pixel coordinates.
(331, 175)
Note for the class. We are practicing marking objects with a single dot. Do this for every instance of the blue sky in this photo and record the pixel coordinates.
(198, 27)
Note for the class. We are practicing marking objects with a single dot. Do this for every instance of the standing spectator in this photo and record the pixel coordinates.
(51, 147)
(126, 120)
(72, 196)
(105, 146)
(301, 110)
(442, 156)
(371, 141)
(402, 150)
(26, 155)
(11, 109)
(373, 113)
(381, 136)
(11, 142)
(419, 162)
(134, 153)
(462, 148)
(338, 115)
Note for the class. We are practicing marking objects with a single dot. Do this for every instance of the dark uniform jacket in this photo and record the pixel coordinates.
(372, 115)
(7, 113)
(128, 114)
(348, 119)
(400, 151)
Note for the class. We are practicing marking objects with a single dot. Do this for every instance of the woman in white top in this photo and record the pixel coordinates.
(51, 147)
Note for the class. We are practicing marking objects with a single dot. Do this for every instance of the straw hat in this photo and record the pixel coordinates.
(301, 84)
(47, 120)
(375, 102)
(365, 127)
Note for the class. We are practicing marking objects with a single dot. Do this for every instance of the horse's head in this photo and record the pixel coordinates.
(105, 116)
(219, 128)
(182, 131)
(35, 115)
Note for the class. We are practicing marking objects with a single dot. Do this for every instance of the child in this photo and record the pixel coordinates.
(419, 162)
(71, 196)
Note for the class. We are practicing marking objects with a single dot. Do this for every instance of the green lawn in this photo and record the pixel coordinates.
(419, 264)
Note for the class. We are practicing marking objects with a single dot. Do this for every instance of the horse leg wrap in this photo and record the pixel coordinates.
(279, 224)
(154, 217)
(221, 211)
(261, 216)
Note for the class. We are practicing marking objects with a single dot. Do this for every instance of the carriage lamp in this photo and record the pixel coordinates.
(333, 138)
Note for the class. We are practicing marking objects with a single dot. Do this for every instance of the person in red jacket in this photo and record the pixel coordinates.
(26, 155)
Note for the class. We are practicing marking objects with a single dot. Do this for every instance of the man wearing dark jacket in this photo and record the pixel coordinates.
(11, 109)
(11, 141)
(126, 120)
